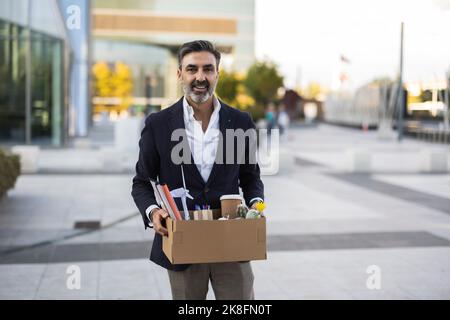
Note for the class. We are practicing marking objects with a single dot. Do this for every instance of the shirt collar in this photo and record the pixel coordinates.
(188, 111)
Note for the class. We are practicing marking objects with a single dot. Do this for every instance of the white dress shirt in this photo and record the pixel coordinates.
(203, 145)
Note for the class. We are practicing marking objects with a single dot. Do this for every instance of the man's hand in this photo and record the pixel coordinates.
(157, 218)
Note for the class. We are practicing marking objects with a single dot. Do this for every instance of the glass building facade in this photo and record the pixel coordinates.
(32, 77)
(12, 84)
(143, 59)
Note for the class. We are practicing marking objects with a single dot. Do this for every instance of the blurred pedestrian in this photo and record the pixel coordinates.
(283, 121)
(270, 118)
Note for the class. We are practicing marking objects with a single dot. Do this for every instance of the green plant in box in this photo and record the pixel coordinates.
(242, 210)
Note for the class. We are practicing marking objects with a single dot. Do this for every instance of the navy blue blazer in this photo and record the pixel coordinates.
(155, 162)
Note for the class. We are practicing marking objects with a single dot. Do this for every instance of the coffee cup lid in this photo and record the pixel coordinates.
(231, 197)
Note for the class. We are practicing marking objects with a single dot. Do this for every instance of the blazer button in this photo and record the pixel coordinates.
(206, 190)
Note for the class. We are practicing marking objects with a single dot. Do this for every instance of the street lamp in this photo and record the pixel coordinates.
(400, 88)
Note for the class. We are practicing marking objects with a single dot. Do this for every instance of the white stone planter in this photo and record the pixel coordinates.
(127, 132)
(434, 160)
(29, 158)
(359, 160)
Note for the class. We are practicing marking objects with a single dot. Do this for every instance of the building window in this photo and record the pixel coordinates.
(12, 82)
(46, 86)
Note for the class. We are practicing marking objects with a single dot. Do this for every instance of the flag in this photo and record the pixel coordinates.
(344, 59)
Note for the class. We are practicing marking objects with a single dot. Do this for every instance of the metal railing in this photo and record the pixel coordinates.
(429, 134)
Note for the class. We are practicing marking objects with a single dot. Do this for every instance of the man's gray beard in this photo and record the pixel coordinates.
(199, 98)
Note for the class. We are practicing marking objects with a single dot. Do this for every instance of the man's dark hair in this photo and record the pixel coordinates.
(198, 46)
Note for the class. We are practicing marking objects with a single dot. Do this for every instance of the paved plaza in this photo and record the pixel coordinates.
(326, 225)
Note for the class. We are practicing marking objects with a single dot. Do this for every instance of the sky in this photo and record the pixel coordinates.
(305, 38)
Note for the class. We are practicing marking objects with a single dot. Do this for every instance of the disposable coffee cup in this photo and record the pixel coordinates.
(229, 204)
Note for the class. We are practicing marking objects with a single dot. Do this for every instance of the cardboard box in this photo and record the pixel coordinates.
(202, 241)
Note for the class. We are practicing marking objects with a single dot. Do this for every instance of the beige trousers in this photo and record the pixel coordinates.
(230, 281)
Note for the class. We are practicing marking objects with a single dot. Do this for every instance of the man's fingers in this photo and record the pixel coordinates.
(157, 224)
(160, 229)
(161, 213)
(164, 213)
(163, 231)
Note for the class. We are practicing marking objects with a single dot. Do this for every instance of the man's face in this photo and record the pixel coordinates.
(198, 75)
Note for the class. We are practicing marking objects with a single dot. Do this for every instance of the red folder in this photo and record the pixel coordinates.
(172, 204)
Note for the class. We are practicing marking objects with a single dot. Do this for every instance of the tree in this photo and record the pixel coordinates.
(102, 76)
(263, 81)
(231, 90)
(122, 82)
(227, 87)
(314, 90)
(384, 80)
(114, 83)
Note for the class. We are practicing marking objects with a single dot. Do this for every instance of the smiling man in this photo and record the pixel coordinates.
(204, 121)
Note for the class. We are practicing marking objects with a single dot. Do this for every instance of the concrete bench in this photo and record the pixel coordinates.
(127, 132)
(434, 160)
(82, 143)
(29, 157)
(359, 160)
(111, 159)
